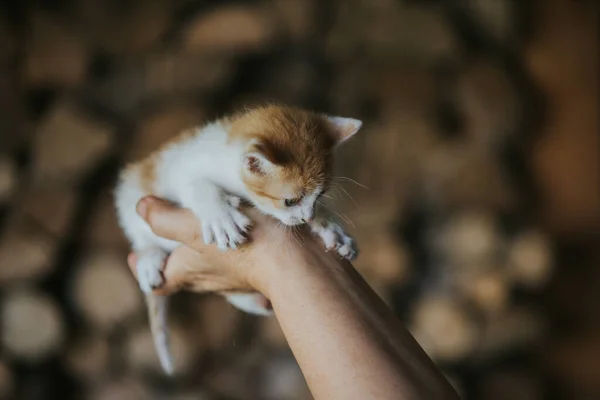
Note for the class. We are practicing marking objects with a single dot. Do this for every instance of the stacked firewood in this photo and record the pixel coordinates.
(440, 188)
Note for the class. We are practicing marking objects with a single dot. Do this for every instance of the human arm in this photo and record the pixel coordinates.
(347, 342)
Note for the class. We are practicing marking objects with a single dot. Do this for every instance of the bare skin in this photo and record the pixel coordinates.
(347, 342)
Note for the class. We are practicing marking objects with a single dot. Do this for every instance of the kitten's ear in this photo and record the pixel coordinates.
(257, 163)
(344, 128)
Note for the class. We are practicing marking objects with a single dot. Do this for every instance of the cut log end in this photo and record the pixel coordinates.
(105, 291)
(33, 326)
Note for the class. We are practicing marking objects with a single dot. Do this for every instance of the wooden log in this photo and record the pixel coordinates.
(291, 79)
(486, 288)
(68, 144)
(125, 30)
(196, 393)
(349, 93)
(88, 358)
(382, 256)
(13, 114)
(565, 160)
(219, 322)
(105, 291)
(469, 240)
(239, 377)
(282, 379)
(518, 384)
(26, 251)
(55, 53)
(7, 381)
(8, 42)
(230, 29)
(367, 26)
(515, 328)
(51, 208)
(32, 325)
(462, 175)
(8, 179)
(121, 388)
(178, 73)
(530, 259)
(573, 361)
(498, 18)
(159, 77)
(271, 333)
(444, 327)
(103, 228)
(298, 18)
(488, 102)
(160, 126)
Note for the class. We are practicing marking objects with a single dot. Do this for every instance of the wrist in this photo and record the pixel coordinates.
(276, 268)
(268, 270)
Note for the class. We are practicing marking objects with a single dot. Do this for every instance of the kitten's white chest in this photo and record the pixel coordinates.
(206, 156)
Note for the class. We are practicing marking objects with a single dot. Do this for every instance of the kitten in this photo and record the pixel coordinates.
(275, 157)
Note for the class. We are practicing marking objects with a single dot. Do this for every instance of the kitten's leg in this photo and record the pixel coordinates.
(252, 303)
(149, 268)
(333, 235)
(222, 222)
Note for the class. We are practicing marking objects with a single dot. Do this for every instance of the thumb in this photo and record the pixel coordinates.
(169, 221)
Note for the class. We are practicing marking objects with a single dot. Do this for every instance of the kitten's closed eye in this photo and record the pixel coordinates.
(291, 202)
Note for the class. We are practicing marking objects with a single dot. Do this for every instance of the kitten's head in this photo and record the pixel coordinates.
(288, 159)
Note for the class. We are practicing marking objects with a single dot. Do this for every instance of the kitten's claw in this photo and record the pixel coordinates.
(233, 201)
(334, 237)
(225, 227)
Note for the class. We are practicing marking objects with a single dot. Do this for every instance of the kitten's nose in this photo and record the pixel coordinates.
(309, 219)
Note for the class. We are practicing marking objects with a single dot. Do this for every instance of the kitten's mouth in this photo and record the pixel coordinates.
(294, 222)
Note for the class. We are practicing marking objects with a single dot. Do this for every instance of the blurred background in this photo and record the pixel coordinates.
(478, 221)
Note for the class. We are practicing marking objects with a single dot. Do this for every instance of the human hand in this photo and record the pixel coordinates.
(198, 267)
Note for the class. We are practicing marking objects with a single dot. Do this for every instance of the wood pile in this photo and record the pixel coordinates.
(472, 189)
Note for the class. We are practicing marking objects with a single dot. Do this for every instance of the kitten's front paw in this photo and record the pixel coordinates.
(225, 226)
(334, 237)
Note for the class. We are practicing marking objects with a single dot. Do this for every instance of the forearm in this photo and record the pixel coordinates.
(348, 344)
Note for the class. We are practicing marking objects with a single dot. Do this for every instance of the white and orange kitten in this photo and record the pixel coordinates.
(277, 158)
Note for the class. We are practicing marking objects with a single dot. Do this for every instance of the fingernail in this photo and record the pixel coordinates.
(142, 207)
(131, 259)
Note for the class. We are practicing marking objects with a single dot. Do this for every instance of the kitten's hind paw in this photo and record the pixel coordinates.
(149, 270)
(334, 237)
(226, 226)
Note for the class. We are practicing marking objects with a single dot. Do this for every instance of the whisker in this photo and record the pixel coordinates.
(345, 178)
(345, 218)
(286, 242)
(341, 188)
(294, 231)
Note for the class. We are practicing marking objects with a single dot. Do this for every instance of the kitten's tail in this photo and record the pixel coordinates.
(157, 315)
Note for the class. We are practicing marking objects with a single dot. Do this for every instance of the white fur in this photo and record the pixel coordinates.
(250, 303)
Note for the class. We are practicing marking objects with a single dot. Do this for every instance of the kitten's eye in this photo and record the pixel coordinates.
(291, 202)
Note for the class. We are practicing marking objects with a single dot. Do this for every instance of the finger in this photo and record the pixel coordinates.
(169, 221)
(132, 262)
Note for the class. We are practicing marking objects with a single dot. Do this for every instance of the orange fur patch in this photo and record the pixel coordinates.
(146, 167)
(148, 174)
(298, 142)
